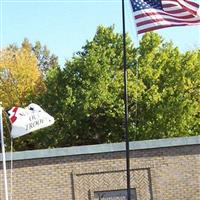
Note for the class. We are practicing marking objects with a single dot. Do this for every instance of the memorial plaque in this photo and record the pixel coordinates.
(114, 195)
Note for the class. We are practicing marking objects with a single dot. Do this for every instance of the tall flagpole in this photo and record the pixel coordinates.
(126, 106)
(3, 153)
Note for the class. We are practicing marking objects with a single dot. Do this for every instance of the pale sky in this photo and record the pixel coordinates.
(64, 26)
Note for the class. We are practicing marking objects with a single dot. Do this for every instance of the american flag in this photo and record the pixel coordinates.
(156, 14)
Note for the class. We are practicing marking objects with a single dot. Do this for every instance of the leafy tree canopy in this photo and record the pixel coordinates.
(86, 96)
(19, 76)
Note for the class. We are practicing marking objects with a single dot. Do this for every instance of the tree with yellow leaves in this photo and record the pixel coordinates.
(20, 77)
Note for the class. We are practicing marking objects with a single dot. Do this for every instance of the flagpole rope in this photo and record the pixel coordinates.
(137, 84)
(137, 81)
(136, 69)
(11, 167)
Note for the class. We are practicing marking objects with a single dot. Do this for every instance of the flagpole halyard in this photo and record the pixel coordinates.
(126, 105)
(3, 153)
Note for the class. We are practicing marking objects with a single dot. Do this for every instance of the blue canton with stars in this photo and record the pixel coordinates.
(146, 4)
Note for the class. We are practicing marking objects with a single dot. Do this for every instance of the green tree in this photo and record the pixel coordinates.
(53, 102)
(169, 105)
(46, 60)
(86, 96)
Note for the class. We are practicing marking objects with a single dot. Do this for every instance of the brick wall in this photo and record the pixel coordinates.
(159, 171)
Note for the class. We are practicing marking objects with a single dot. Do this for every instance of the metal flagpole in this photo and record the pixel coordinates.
(3, 153)
(126, 105)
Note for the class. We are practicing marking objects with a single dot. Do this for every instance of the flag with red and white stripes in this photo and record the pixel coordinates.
(156, 14)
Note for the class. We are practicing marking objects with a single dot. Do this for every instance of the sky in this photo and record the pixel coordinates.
(65, 25)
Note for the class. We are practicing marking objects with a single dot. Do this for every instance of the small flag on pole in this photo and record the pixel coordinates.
(157, 14)
(29, 119)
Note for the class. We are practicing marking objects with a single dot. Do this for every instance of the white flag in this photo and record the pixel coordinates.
(29, 119)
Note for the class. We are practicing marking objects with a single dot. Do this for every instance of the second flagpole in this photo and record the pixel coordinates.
(3, 154)
(126, 105)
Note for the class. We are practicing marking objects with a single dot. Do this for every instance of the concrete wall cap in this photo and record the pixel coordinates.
(103, 148)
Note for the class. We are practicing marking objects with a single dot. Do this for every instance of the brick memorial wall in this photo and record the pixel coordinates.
(167, 169)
